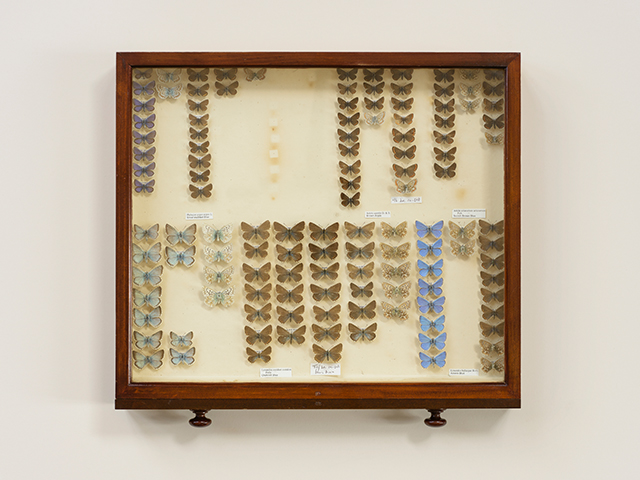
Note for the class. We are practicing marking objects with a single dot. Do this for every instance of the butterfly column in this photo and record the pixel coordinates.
(444, 123)
(403, 147)
(348, 144)
(493, 104)
(199, 157)
(143, 134)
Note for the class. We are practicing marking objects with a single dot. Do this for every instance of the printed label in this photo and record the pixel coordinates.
(469, 213)
(199, 216)
(406, 199)
(377, 214)
(275, 372)
(463, 372)
(322, 369)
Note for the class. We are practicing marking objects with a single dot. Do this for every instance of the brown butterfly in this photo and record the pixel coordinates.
(199, 147)
(363, 231)
(353, 169)
(327, 234)
(361, 290)
(488, 330)
(399, 252)
(494, 74)
(375, 76)
(350, 105)
(198, 106)
(410, 171)
(199, 120)
(252, 75)
(445, 155)
(351, 151)
(403, 271)
(200, 162)
(376, 89)
(445, 122)
(347, 74)
(329, 273)
(201, 191)
(351, 137)
(330, 333)
(444, 107)
(400, 120)
(226, 90)
(198, 134)
(444, 91)
(262, 336)
(365, 252)
(462, 232)
(284, 233)
(140, 74)
(330, 315)
(347, 89)
(446, 76)
(292, 335)
(289, 275)
(489, 106)
(486, 228)
(348, 201)
(200, 91)
(402, 104)
(362, 311)
(461, 249)
(470, 74)
(488, 348)
(225, 74)
(402, 89)
(488, 365)
(371, 105)
(489, 313)
(489, 262)
(405, 74)
(289, 296)
(329, 355)
(197, 177)
(264, 355)
(489, 296)
(398, 312)
(254, 314)
(289, 254)
(329, 252)
(258, 231)
(488, 279)
(490, 123)
(364, 334)
(406, 188)
(389, 231)
(486, 244)
(494, 139)
(409, 153)
(260, 274)
(294, 316)
(198, 75)
(352, 120)
(360, 271)
(444, 138)
(493, 89)
(331, 293)
(400, 137)
(391, 291)
(353, 184)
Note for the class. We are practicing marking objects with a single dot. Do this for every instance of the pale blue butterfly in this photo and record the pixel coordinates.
(426, 306)
(169, 92)
(428, 360)
(166, 76)
(151, 341)
(187, 357)
(427, 288)
(426, 269)
(141, 360)
(152, 299)
(185, 257)
(181, 340)
(152, 277)
(437, 324)
(142, 234)
(427, 342)
(435, 229)
(434, 248)
(187, 236)
(151, 319)
(152, 255)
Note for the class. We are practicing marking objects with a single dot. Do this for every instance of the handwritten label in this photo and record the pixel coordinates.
(199, 216)
(406, 199)
(469, 213)
(275, 372)
(463, 372)
(378, 214)
(322, 369)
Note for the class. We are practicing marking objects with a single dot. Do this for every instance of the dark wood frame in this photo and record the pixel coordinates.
(204, 396)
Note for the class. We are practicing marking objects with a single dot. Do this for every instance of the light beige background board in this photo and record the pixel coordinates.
(579, 416)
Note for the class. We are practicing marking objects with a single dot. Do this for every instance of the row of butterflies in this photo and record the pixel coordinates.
(153, 342)
(321, 355)
(296, 336)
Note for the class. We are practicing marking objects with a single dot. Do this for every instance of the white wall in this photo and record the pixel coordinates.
(580, 246)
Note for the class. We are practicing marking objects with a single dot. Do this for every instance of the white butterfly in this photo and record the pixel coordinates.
(469, 106)
(372, 119)
(470, 90)
(222, 297)
(166, 76)
(169, 92)
(223, 255)
(222, 276)
(212, 235)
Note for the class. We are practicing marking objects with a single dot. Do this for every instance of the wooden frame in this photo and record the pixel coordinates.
(205, 396)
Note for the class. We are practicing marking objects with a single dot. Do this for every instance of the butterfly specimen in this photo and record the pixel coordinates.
(400, 171)
(470, 91)
(330, 333)
(152, 298)
(347, 89)
(195, 147)
(494, 74)
(199, 176)
(152, 255)
(493, 106)
(200, 162)
(326, 273)
(139, 74)
(146, 171)
(488, 330)
(348, 201)
(446, 123)
(399, 252)
(252, 75)
(371, 119)
(376, 89)
(198, 106)
(470, 74)
(187, 357)
(427, 288)
(434, 248)
(144, 155)
(373, 76)
(363, 231)
(212, 255)
(362, 311)
(434, 230)
(401, 271)
(490, 90)
(360, 271)
(346, 169)
(198, 134)
(488, 365)
(353, 184)
(486, 228)
(437, 324)
(402, 90)
(151, 341)
(406, 188)
(225, 74)
(489, 296)
(330, 355)
(489, 313)
(257, 231)
(348, 105)
(140, 106)
(289, 296)
(490, 123)
(427, 342)
(488, 348)
(427, 360)
(289, 275)
(198, 91)
(461, 249)
(486, 244)
(488, 279)
(222, 277)
(198, 75)
(284, 233)
(468, 105)
(264, 355)
(351, 151)
(291, 335)
(402, 104)
(351, 136)
(441, 91)
(398, 74)
(152, 277)
(444, 108)
(427, 306)
(352, 120)
(185, 257)
(400, 120)
(464, 232)
(257, 294)
(144, 138)
(289, 254)
(151, 319)
(260, 251)
(489, 262)
(400, 137)
(426, 269)
(446, 76)
(144, 122)
(197, 191)
(255, 336)
(155, 361)
(181, 340)
(222, 297)
(186, 236)
(398, 312)
(361, 290)
(365, 252)
(347, 74)
(396, 232)
(445, 155)
(327, 234)
(371, 105)
(165, 92)
(254, 314)
(328, 252)
(494, 139)
(294, 315)
(399, 154)
(391, 291)
(229, 90)
(331, 293)
(253, 274)
(330, 315)
(444, 138)
(168, 76)
(364, 334)
(198, 120)
(211, 234)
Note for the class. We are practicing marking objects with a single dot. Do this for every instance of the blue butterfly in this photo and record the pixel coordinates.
(149, 233)
(181, 340)
(435, 229)
(434, 249)
(428, 360)
(426, 306)
(430, 288)
(144, 138)
(147, 106)
(187, 357)
(152, 255)
(426, 324)
(146, 89)
(152, 277)
(151, 319)
(144, 122)
(187, 236)
(427, 342)
(185, 257)
(144, 187)
(144, 155)
(152, 298)
(141, 360)
(151, 341)
(426, 269)
(146, 171)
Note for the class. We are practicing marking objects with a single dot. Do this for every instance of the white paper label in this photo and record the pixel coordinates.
(469, 213)
(406, 199)
(275, 372)
(463, 372)
(378, 214)
(322, 369)
(199, 216)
